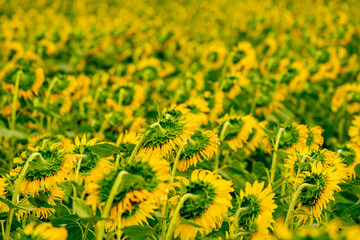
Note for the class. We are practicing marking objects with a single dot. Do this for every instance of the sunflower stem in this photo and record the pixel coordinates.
(293, 201)
(176, 163)
(222, 137)
(274, 159)
(76, 180)
(105, 214)
(15, 99)
(138, 145)
(15, 194)
(238, 213)
(171, 227)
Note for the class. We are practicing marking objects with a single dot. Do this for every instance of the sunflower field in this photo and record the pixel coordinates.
(151, 119)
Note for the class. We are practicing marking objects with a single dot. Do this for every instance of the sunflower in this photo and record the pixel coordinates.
(213, 56)
(196, 109)
(301, 161)
(34, 231)
(315, 140)
(255, 210)
(257, 134)
(206, 211)
(243, 58)
(354, 130)
(30, 81)
(268, 103)
(233, 83)
(45, 201)
(49, 170)
(238, 130)
(292, 139)
(92, 165)
(351, 155)
(313, 200)
(3, 184)
(156, 173)
(136, 215)
(131, 96)
(199, 147)
(48, 138)
(170, 132)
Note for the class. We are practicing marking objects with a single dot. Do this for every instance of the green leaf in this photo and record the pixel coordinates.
(190, 222)
(81, 209)
(105, 149)
(159, 215)
(3, 172)
(64, 220)
(13, 133)
(11, 205)
(139, 232)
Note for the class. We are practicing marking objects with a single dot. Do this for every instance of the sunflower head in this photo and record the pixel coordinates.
(31, 79)
(170, 131)
(34, 231)
(213, 200)
(350, 154)
(323, 183)
(47, 170)
(256, 205)
(293, 138)
(315, 140)
(201, 146)
(145, 180)
(236, 130)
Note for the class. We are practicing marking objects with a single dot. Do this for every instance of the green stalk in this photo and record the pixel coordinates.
(105, 214)
(138, 145)
(172, 180)
(222, 137)
(176, 163)
(14, 199)
(47, 95)
(176, 214)
(274, 159)
(293, 201)
(15, 99)
(76, 180)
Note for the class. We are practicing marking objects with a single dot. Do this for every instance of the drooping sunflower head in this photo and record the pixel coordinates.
(354, 130)
(43, 231)
(324, 182)
(31, 79)
(256, 207)
(48, 138)
(293, 138)
(350, 154)
(196, 109)
(3, 192)
(128, 95)
(148, 69)
(301, 161)
(207, 209)
(199, 147)
(315, 140)
(233, 83)
(91, 164)
(49, 169)
(255, 137)
(243, 57)
(45, 201)
(236, 130)
(166, 134)
(213, 56)
(149, 182)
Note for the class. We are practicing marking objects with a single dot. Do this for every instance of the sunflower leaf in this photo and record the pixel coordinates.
(11, 205)
(105, 149)
(139, 232)
(190, 222)
(13, 133)
(81, 209)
